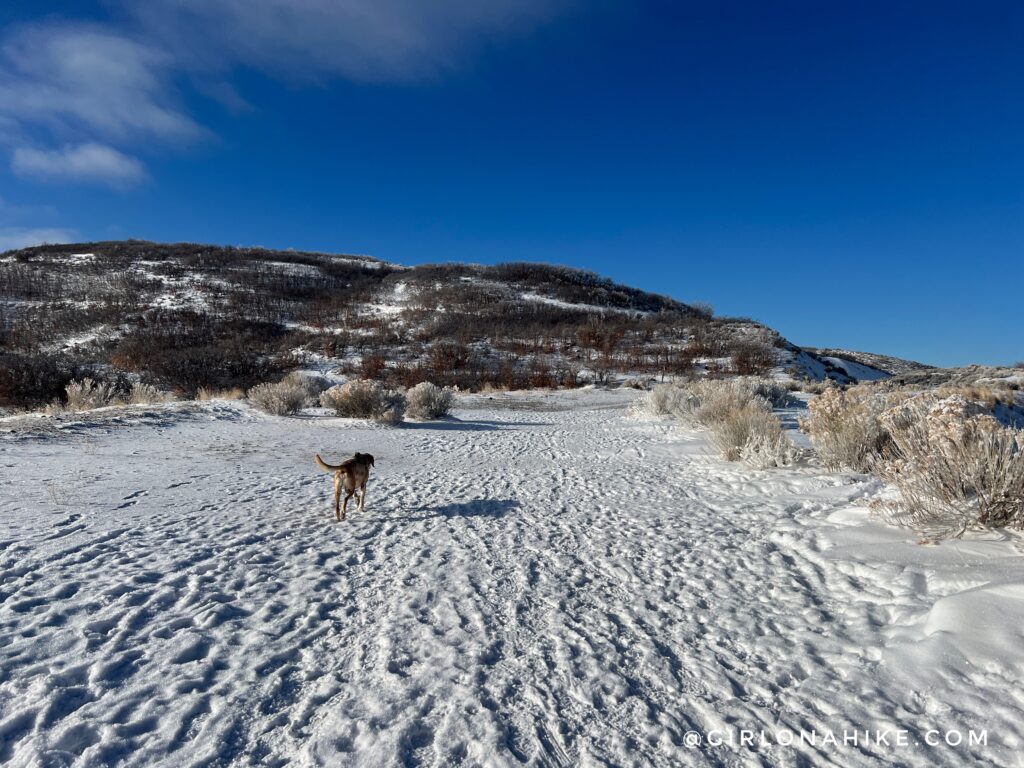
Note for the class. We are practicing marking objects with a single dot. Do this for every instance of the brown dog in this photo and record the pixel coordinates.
(352, 474)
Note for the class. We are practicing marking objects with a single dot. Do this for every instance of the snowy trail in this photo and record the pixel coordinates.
(543, 581)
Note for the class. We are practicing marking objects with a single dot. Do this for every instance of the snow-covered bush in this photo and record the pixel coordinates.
(144, 394)
(284, 398)
(713, 400)
(752, 433)
(311, 384)
(663, 400)
(778, 393)
(954, 466)
(429, 401)
(365, 399)
(87, 394)
(845, 427)
(766, 445)
(736, 412)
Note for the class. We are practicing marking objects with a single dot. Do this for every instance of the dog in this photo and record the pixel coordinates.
(352, 474)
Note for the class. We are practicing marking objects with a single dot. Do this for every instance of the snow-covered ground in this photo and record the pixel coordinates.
(542, 580)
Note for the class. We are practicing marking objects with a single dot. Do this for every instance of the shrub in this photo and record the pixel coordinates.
(751, 357)
(365, 399)
(767, 446)
(845, 427)
(143, 394)
(311, 385)
(663, 400)
(737, 413)
(87, 394)
(752, 433)
(206, 393)
(429, 401)
(778, 393)
(281, 399)
(33, 380)
(713, 401)
(817, 387)
(954, 467)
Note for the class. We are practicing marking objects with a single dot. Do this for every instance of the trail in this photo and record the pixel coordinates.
(538, 581)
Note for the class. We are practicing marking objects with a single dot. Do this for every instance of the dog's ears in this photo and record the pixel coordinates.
(368, 458)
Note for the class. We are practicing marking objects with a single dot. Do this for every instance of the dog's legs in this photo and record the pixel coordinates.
(362, 496)
(337, 497)
(344, 504)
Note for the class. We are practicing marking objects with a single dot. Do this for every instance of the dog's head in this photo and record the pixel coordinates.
(365, 458)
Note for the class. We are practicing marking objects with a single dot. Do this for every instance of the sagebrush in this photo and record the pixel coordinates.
(365, 399)
(954, 467)
(283, 398)
(845, 426)
(429, 401)
(737, 413)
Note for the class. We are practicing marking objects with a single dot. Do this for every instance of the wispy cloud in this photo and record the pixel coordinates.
(22, 237)
(83, 79)
(92, 85)
(91, 162)
(366, 40)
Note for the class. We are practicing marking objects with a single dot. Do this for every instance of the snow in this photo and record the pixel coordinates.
(536, 297)
(542, 579)
(858, 371)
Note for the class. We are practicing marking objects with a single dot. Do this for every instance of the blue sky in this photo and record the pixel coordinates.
(850, 173)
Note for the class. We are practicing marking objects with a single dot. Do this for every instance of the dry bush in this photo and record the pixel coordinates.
(33, 380)
(778, 393)
(709, 400)
(753, 357)
(752, 433)
(845, 427)
(712, 401)
(85, 395)
(990, 396)
(311, 384)
(817, 387)
(663, 400)
(281, 399)
(232, 393)
(145, 394)
(736, 413)
(429, 401)
(767, 446)
(954, 467)
(364, 399)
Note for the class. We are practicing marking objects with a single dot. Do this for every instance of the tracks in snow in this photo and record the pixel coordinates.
(547, 587)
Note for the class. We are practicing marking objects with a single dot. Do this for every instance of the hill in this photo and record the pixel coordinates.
(186, 316)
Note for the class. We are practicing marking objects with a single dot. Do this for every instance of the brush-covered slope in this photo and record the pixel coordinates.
(185, 316)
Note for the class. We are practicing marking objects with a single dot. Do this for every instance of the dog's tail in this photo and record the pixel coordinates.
(325, 466)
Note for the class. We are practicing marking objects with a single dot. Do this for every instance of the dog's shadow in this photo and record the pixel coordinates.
(473, 508)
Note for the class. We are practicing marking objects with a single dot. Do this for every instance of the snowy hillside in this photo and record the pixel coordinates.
(185, 317)
(883, 364)
(542, 580)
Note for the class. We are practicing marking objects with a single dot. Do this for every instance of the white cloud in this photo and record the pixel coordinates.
(94, 85)
(74, 78)
(23, 237)
(89, 162)
(310, 40)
